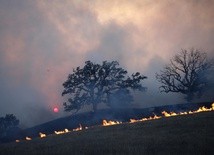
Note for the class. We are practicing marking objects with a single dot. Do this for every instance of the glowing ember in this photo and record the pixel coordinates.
(108, 123)
(61, 132)
(42, 135)
(28, 138)
(78, 129)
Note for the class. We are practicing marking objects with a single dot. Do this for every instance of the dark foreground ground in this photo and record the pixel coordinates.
(188, 134)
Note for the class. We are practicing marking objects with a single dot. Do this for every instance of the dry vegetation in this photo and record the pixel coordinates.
(189, 134)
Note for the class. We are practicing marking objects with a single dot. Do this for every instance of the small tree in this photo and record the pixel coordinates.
(185, 74)
(6, 123)
(99, 83)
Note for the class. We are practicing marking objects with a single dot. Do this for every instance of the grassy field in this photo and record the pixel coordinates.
(189, 134)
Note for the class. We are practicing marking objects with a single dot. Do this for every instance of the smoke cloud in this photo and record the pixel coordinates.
(42, 41)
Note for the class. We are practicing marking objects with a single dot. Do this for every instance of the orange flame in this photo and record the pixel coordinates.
(108, 123)
(61, 132)
(28, 138)
(166, 114)
(200, 109)
(78, 129)
(42, 135)
(183, 113)
(144, 119)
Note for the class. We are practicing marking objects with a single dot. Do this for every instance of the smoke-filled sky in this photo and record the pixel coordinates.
(42, 41)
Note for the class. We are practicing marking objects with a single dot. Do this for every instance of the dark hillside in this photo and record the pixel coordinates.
(91, 119)
(186, 134)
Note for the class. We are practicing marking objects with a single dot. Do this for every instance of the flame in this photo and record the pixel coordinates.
(28, 138)
(42, 135)
(61, 132)
(183, 113)
(78, 129)
(200, 109)
(108, 123)
(170, 114)
(166, 114)
(17, 141)
(144, 119)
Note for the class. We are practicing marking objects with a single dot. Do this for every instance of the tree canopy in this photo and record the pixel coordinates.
(186, 74)
(6, 123)
(100, 83)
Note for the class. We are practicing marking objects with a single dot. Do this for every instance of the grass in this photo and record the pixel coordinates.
(189, 134)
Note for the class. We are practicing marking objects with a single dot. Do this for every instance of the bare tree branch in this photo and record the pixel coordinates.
(185, 74)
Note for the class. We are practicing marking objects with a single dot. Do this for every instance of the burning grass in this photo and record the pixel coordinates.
(61, 132)
(42, 135)
(184, 134)
(28, 138)
(110, 122)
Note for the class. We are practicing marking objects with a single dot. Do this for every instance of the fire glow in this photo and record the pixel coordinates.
(28, 138)
(42, 135)
(61, 132)
(145, 119)
(78, 129)
(110, 122)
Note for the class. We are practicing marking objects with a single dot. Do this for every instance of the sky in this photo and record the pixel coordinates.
(42, 41)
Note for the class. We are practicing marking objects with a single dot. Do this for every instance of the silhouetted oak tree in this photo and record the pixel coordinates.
(100, 83)
(185, 74)
(7, 123)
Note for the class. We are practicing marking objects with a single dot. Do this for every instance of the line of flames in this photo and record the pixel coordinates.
(170, 114)
(43, 135)
(66, 130)
(109, 123)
